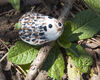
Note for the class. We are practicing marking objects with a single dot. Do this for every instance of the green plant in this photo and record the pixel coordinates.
(15, 4)
(85, 25)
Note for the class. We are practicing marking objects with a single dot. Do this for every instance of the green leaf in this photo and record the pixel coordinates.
(22, 53)
(15, 4)
(54, 64)
(95, 4)
(85, 25)
(62, 41)
(25, 67)
(17, 26)
(73, 72)
(83, 61)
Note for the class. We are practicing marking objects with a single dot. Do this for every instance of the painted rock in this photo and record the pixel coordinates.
(38, 29)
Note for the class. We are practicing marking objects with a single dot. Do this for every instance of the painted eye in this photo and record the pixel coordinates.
(50, 25)
(59, 24)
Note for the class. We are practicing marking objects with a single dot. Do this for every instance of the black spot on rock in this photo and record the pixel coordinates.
(23, 24)
(33, 34)
(41, 34)
(37, 14)
(42, 37)
(33, 40)
(33, 26)
(40, 27)
(36, 24)
(33, 22)
(23, 37)
(26, 35)
(41, 30)
(50, 26)
(27, 39)
(59, 24)
(45, 28)
(29, 29)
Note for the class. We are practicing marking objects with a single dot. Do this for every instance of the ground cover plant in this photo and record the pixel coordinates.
(67, 57)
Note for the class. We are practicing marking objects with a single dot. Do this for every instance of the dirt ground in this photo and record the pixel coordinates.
(8, 34)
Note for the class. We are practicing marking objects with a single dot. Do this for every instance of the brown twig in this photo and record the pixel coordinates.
(66, 10)
(44, 51)
(7, 66)
(36, 64)
(43, 75)
(4, 44)
(3, 57)
(6, 53)
(96, 41)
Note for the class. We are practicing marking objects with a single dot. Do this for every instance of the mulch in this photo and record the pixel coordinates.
(9, 35)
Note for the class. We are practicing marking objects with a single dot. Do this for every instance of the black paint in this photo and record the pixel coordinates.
(33, 40)
(59, 24)
(22, 37)
(50, 26)
(41, 34)
(33, 34)
(42, 37)
(29, 29)
(40, 27)
(45, 28)
(27, 39)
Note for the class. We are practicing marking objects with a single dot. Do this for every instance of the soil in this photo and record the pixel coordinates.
(9, 35)
(7, 20)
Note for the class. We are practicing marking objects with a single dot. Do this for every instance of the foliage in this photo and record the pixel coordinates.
(62, 41)
(54, 64)
(94, 4)
(22, 53)
(83, 61)
(17, 26)
(73, 71)
(15, 4)
(85, 25)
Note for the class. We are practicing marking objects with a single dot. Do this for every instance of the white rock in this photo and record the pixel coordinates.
(37, 29)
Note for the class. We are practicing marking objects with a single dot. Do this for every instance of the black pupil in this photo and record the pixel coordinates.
(50, 25)
(59, 24)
